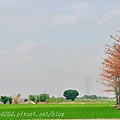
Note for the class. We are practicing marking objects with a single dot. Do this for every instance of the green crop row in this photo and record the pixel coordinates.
(58, 111)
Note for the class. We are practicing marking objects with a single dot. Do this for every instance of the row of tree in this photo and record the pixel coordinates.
(38, 98)
(44, 98)
(69, 94)
(94, 97)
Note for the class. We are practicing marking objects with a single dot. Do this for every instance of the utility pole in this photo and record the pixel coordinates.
(87, 85)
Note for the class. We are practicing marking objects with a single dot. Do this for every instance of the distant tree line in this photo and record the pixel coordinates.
(35, 98)
(38, 98)
(68, 94)
(93, 97)
(43, 98)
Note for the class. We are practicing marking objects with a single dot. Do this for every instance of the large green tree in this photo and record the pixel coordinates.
(32, 98)
(70, 94)
(44, 97)
(4, 99)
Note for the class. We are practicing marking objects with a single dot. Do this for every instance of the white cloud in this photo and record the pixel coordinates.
(77, 11)
(21, 22)
(104, 18)
(18, 54)
(26, 47)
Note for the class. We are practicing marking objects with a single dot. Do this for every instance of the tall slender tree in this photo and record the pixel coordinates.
(110, 69)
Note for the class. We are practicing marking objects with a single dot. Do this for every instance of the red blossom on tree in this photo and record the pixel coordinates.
(110, 69)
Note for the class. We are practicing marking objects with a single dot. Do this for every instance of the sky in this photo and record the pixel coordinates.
(49, 46)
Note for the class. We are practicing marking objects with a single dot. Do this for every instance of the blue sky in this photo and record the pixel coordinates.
(53, 45)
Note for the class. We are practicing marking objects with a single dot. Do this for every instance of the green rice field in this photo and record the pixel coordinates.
(58, 111)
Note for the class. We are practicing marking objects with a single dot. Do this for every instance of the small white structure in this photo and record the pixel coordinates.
(29, 102)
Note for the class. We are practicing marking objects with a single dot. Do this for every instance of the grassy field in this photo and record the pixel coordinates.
(59, 111)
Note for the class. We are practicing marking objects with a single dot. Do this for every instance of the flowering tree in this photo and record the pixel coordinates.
(16, 98)
(110, 69)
